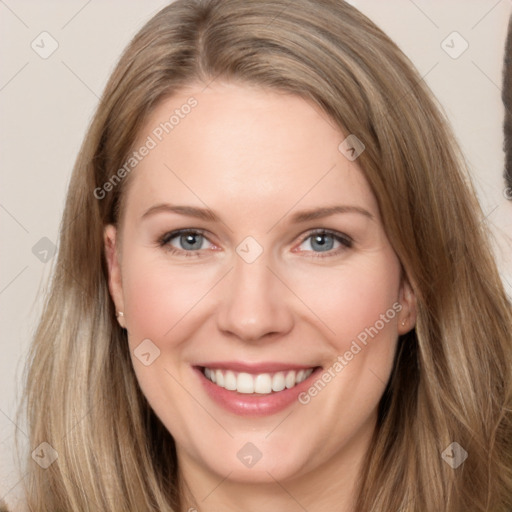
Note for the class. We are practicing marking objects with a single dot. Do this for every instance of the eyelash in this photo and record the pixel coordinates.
(343, 239)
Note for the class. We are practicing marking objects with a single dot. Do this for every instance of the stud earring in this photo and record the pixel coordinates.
(403, 323)
(119, 313)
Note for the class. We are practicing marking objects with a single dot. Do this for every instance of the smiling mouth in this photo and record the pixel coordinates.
(261, 383)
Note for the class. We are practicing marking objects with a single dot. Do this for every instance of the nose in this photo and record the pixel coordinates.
(256, 304)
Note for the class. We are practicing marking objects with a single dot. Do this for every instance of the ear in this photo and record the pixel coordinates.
(115, 284)
(408, 313)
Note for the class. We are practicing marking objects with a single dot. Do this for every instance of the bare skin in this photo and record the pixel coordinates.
(256, 158)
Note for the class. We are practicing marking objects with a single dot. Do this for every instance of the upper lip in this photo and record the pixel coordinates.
(254, 368)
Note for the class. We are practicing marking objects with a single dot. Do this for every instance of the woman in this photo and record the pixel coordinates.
(273, 289)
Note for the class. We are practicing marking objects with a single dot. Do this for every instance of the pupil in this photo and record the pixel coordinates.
(321, 241)
(192, 240)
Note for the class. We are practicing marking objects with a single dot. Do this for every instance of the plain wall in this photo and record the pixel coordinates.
(46, 105)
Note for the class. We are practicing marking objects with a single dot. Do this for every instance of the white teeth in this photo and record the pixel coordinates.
(278, 383)
(263, 383)
(307, 373)
(230, 381)
(289, 380)
(244, 383)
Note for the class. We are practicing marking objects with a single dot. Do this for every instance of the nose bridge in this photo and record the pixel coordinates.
(255, 303)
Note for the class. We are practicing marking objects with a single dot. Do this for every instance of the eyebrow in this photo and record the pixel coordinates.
(300, 217)
(190, 211)
(319, 213)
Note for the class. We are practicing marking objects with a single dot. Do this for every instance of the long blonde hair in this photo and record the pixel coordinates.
(451, 380)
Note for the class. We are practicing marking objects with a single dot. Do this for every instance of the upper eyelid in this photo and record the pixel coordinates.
(177, 232)
(325, 231)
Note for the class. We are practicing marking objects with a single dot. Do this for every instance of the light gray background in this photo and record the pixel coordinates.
(46, 105)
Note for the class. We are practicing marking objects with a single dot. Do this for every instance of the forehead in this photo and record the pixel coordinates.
(246, 148)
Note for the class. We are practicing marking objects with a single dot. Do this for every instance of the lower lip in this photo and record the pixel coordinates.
(243, 404)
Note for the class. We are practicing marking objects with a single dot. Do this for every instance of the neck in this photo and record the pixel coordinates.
(331, 486)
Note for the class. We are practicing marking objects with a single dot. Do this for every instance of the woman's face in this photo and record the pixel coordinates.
(281, 272)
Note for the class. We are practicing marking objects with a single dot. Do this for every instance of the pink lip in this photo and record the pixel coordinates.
(254, 405)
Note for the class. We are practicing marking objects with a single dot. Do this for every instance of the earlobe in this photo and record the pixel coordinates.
(408, 313)
(114, 270)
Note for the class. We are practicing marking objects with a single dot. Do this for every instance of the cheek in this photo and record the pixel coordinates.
(161, 302)
(158, 296)
(346, 300)
(360, 309)
(351, 299)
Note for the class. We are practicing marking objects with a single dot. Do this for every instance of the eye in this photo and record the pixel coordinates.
(189, 242)
(184, 241)
(324, 241)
